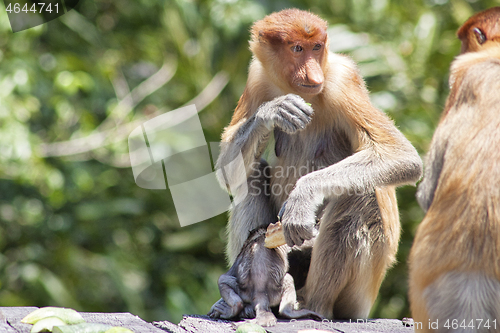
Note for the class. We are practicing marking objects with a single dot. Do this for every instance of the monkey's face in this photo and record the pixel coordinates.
(292, 47)
(305, 68)
(480, 31)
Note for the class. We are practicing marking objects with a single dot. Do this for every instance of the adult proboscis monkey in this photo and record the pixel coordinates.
(334, 163)
(455, 258)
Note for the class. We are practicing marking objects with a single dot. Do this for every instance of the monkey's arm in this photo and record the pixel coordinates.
(434, 165)
(249, 136)
(376, 164)
(473, 78)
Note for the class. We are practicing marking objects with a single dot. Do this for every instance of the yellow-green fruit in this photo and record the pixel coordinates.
(82, 328)
(250, 328)
(69, 316)
(118, 329)
(46, 324)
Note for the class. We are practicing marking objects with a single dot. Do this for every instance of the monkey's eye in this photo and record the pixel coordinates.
(317, 47)
(481, 38)
(297, 48)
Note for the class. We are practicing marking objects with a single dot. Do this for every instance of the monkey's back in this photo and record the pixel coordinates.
(464, 217)
(455, 259)
(260, 270)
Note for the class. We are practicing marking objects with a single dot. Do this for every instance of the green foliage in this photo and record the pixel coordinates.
(76, 231)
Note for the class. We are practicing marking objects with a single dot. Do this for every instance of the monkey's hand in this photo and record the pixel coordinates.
(290, 113)
(298, 216)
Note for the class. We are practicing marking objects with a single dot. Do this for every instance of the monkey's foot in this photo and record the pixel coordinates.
(265, 319)
(223, 310)
(303, 313)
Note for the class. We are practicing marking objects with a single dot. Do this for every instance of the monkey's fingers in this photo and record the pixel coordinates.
(288, 239)
(295, 101)
(213, 313)
(301, 104)
(292, 237)
(282, 211)
(293, 114)
(298, 108)
(297, 233)
(290, 123)
(224, 311)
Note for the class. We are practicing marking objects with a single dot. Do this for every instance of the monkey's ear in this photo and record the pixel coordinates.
(480, 36)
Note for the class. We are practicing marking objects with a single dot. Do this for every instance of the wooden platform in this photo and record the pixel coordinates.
(202, 324)
(10, 322)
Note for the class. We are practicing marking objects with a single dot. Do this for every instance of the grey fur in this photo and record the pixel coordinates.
(257, 281)
(461, 299)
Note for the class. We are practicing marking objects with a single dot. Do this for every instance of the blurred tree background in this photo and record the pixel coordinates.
(76, 231)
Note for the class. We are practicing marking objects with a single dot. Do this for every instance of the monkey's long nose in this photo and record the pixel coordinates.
(314, 73)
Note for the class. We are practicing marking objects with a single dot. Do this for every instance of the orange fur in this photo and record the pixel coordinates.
(346, 136)
(488, 22)
(454, 261)
(274, 65)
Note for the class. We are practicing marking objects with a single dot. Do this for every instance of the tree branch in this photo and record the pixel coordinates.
(118, 133)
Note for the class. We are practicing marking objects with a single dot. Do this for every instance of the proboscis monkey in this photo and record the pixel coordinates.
(455, 258)
(335, 160)
(257, 281)
(480, 31)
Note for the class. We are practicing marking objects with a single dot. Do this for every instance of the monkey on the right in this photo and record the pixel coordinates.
(455, 259)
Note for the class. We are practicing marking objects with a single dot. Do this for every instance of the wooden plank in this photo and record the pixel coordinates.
(169, 327)
(368, 326)
(196, 323)
(13, 316)
(123, 319)
(10, 322)
(4, 325)
(203, 324)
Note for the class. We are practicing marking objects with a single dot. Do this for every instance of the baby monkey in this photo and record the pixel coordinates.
(257, 281)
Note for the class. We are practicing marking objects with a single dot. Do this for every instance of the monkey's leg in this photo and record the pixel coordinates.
(263, 314)
(351, 255)
(418, 304)
(289, 302)
(362, 172)
(231, 304)
(359, 294)
(465, 298)
(252, 211)
(328, 272)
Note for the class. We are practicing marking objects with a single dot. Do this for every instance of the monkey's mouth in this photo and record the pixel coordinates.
(310, 89)
(311, 86)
